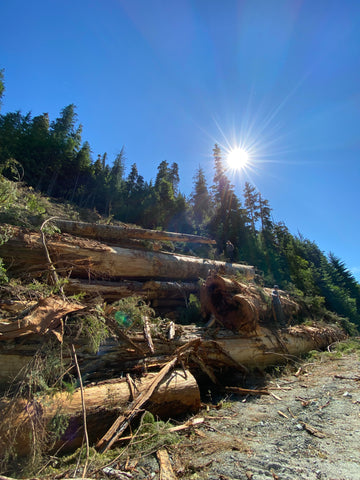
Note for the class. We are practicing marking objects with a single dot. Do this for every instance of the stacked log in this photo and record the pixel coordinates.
(242, 334)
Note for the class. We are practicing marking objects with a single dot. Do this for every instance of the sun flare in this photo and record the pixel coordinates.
(237, 158)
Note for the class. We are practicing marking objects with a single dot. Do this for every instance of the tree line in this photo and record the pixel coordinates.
(55, 161)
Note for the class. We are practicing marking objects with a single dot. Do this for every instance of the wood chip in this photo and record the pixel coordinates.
(312, 430)
(166, 471)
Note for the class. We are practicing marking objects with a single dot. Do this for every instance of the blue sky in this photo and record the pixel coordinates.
(169, 78)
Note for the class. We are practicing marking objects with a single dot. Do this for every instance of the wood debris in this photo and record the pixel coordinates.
(312, 430)
(166, 470)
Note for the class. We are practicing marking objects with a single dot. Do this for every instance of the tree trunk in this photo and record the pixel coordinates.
(242, 307)
(116, 234)
(177, 394)
(90, 259)
(112, 291)
(219, 349)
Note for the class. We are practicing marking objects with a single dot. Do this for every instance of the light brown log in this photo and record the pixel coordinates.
(115, 233)
(218, 348)
(178, 393)
(91, 259)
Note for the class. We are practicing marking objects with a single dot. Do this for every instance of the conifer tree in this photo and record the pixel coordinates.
(200, 201)
(251, 204)
(227, 223)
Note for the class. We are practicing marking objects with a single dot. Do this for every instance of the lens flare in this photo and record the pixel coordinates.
(237, 159)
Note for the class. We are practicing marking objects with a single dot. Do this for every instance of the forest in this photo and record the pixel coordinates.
(51, 157)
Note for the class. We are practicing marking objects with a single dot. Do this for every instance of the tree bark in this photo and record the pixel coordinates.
(177, 394)
(243, 307)
(112, 291)
(84, 258)
(219, 349)
(116, 234)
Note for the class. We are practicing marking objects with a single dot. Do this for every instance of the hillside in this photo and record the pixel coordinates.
(143, 318)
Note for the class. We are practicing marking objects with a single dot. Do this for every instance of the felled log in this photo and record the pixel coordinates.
(116, 234)
(112, 291)
(242, 307)
(178, 393)
(84, 258)
(219, 349)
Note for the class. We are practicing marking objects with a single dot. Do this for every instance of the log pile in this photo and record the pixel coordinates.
(154, 368)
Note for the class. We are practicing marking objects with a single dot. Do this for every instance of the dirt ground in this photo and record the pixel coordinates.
(307, 428)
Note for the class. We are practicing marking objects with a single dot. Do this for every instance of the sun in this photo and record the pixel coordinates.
(237, 158)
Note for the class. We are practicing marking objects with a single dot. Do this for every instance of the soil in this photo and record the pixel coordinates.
(307, 428)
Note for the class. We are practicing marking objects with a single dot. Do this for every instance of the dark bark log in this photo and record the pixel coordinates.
(112, 291)
(242, 307)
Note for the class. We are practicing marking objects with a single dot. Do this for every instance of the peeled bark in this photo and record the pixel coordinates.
(177, 394)
(90, 259)
(116, 234)
(45, 316)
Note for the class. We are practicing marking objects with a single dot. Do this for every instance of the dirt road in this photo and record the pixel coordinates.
(308, 428)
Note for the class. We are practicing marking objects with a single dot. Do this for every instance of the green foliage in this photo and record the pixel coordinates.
(131, 310)
(151, 435)
(8, 193)
(58, 425)
(3, 276)
(94, 328)
(352, 345)
(34, 204)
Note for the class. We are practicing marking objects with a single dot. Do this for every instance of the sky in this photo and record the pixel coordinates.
(167, 79)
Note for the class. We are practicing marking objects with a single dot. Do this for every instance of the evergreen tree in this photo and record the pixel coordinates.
(265, 214)
(251, 205)
(66, 142)
(227, 223)
(118, 170)
(200, 201)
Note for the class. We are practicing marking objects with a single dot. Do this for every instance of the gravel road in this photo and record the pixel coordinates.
(308, 428)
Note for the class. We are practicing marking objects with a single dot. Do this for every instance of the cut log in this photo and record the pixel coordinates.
(116, 234)
(113, 291)
(219, 349)
(241, 307)
(90, 259)
(178, 393)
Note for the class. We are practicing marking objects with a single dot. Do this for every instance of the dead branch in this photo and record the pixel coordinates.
(83, 410)
(123, 421)
(247, 391)
(147, 334)
(312, 430)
